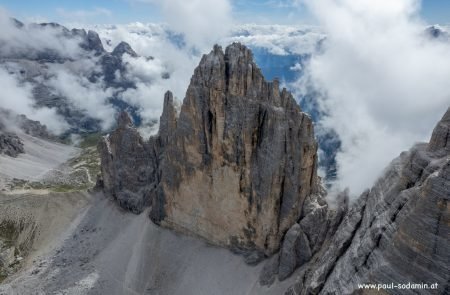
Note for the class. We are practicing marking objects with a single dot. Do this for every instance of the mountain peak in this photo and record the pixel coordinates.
(94, 42)
(123, 47)
(235, 130)
(124, 120)
(236, 72)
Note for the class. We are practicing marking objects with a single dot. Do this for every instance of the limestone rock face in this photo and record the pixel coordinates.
(295, 251)
(234, 167)
(242, 158)
(11, 145)
(303, 239)
(440, 140)
(128, 166)
(397, 232)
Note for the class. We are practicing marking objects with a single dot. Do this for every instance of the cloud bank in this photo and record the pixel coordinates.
(202, 22)
(16, 41)
(383, 82)
(161, 66)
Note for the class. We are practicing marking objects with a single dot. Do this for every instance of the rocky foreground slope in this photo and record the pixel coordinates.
(237, 167)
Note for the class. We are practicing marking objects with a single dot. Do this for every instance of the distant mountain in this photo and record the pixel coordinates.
(438, 32)
(66, 65)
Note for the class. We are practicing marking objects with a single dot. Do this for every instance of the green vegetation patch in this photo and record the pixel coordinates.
(90, 140)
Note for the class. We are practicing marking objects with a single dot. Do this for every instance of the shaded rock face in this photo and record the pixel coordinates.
(113, 64)
(94, 43)
(440, 140)
(11, 145)
(305, 238)
(235, 166)
(398, 231)
(128, 166)
(124, 47)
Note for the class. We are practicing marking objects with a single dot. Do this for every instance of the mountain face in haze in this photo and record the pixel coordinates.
(67, 71)
(239, 144)
(237, 167)
(10, 144)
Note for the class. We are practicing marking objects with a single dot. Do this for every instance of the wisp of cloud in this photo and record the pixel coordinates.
(383, 82)
(202, 22)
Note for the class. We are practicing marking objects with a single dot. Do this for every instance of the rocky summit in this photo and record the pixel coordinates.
(234, 166)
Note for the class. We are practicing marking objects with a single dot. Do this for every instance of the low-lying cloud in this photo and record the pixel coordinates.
(82, 94)
(17, 97)
(162, 65)
(384, 82)
(16, 41)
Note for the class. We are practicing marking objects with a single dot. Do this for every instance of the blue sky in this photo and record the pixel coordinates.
(124, 11)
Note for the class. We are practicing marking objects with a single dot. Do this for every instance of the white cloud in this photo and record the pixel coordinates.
(84, 95)
(203, 22)
(278, 39)
(14, 40)
(18, 98)
(151, 40)
(384, 83)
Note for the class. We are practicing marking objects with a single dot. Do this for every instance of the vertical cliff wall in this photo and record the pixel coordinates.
(234, 166)
(242, 159)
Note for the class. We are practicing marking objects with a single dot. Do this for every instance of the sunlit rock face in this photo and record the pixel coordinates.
(237, 163)
(242, 158)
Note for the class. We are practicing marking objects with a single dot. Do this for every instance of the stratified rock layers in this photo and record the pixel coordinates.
(397, 232)
(234, 167)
